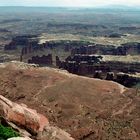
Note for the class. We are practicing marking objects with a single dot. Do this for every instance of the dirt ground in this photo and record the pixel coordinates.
(88, 109)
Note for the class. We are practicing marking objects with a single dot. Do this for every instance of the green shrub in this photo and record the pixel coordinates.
(7, 132)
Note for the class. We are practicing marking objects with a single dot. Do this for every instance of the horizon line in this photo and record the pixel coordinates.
(103, 6)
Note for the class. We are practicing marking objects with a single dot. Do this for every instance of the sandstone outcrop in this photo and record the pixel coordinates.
(93, 65)
(20, 41)
(37, 124)
(47, 60)
(132, 48)
(22, 116)
(54, 133)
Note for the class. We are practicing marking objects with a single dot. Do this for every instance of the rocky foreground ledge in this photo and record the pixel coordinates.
(29, 123)
(86, 108)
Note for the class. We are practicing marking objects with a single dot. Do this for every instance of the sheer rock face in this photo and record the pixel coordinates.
(22, 116)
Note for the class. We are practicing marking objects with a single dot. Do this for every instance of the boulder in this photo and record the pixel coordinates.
(22, 116)
(54, 133)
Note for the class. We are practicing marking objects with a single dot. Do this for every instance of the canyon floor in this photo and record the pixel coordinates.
(87, 108)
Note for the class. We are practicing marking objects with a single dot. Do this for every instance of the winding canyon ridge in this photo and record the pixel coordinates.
(70, 73)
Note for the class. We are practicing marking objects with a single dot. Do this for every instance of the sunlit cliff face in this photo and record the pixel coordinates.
(71, 3)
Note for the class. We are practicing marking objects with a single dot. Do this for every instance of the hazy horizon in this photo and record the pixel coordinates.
(70, 3)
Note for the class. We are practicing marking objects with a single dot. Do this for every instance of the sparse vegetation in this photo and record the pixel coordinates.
(116, 127)
(51, 99)
(7, 132)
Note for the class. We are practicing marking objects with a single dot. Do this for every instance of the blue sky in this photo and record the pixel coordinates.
(73, 3)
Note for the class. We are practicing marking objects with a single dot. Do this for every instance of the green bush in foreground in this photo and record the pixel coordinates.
(7, 132)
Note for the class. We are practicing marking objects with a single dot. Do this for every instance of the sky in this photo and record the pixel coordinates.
(69, 3)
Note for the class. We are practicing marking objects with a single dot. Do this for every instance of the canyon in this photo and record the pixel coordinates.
(69, 73)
